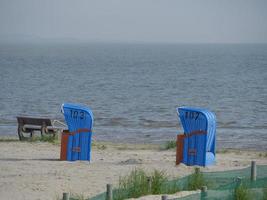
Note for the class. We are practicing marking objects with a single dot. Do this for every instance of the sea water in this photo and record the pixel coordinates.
(134, 89)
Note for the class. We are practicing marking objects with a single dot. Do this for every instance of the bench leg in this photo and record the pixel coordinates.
(20, 133)
(42, 131)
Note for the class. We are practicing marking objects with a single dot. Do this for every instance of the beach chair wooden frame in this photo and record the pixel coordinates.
(27, 126)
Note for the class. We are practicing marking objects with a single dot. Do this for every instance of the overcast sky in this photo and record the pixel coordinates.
(175, 21)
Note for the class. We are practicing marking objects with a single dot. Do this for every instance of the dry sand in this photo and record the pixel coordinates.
(33, 170)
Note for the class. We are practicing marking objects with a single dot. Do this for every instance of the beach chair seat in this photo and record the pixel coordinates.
(76, 143)
(27, 126)
(196, 146)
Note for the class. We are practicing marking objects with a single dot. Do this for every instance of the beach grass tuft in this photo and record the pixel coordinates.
(9, 140)
(241, 192)
(45, 138)
(133, 185)
(74, 196)
(264, 191)
(99, 146)
(158, 179)
(169, 145)
(136, 184)
(223, 151)
(196, 180)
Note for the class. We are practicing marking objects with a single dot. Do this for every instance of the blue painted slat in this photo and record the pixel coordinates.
(69, 148)
(185, 155)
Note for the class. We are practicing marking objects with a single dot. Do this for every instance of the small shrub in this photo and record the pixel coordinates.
(241, 192)
(169, 145)
(196, 180)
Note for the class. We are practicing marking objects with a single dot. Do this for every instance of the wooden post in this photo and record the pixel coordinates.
(204, 190)
(197, 170)
(253, 175)
(43, 129)
(238, 181)
(66, 196)
(149, 184)
(179, 148)
(164, 197)
(20, 132)
(109, 195)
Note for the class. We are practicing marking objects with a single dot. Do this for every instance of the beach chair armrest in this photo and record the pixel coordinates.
(56, 128)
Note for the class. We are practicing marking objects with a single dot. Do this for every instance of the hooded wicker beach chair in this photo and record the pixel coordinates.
(197, 146)
(80, 123)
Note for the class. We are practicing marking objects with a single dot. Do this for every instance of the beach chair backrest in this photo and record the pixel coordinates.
(192, 120)
(80, 123)
(34, 121)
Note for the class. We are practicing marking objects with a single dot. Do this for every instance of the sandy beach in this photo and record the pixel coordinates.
(32, 170)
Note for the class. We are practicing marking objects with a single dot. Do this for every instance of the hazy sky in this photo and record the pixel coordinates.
(178, 21)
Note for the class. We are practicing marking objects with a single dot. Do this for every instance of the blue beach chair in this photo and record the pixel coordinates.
(198, 144)
(80, 123)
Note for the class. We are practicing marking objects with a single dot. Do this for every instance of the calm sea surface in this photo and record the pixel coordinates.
(133, 90)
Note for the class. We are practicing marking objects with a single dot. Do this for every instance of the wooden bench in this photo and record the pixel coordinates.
(28, 125)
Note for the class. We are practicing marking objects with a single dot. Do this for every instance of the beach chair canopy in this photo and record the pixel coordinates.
(199, 136)
(80, 123)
